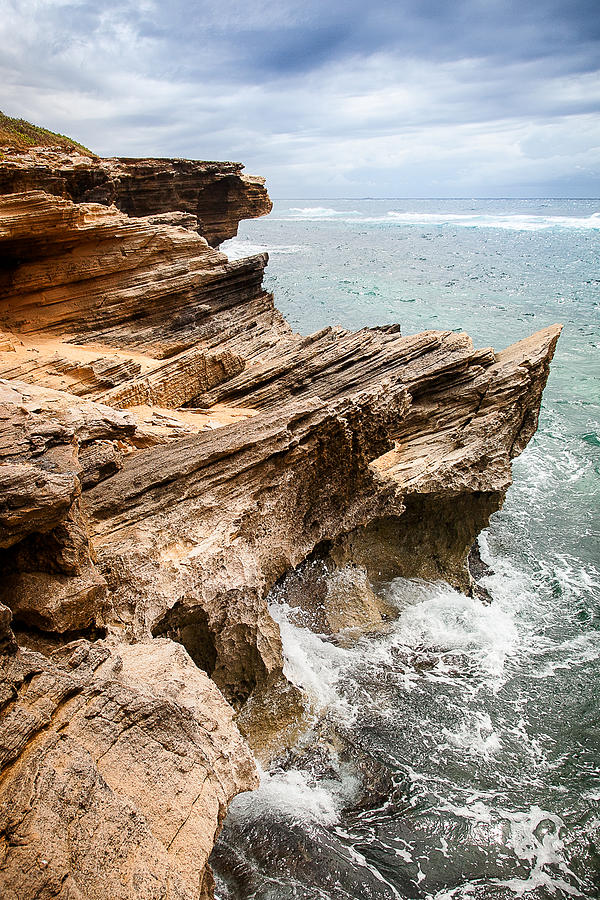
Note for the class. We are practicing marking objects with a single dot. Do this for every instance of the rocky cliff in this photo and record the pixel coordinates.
(170, 451)
(218, 194)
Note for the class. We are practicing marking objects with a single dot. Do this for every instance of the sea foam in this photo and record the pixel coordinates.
(240, 249)
(514, 222)
(507, 222)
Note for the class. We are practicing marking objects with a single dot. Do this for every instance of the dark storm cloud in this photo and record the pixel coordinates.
(504, 31)
(417, 93)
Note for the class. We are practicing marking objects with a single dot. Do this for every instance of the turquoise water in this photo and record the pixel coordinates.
(457, 756)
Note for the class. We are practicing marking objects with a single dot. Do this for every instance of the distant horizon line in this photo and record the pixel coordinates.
(436, 198)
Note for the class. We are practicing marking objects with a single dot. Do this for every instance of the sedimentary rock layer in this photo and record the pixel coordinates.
(170, 451)
(94, 274)
(217, 194)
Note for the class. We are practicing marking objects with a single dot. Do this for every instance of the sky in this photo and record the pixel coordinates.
(345, 98)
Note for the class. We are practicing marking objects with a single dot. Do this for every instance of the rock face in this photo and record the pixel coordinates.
(170, 452)
(192, 535)
(91, 273)
(217, 194)
(117, 769)
(48, 576)
(452, 460)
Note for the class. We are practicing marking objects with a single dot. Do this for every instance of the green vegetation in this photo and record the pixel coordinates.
(21, 134)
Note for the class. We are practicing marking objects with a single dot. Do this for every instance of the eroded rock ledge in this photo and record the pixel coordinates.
(216, 195)
(169, 451)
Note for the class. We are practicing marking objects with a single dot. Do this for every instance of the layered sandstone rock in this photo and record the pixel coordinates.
(217, 194)
(170, 453)
(94, 274)
(452, 460)
(192, 535)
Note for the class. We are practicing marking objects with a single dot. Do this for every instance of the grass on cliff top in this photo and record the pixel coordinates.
(21, 135)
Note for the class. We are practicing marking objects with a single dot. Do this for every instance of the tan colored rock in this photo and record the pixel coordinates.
(117, 377)
(55, 363)
(99, 460)
(274, 719)
(338, 602)
(246, 451)
(215, 195)
(54, 602)
(336, 363)
(48, 576)
(35, 421)
(6, 343)
(452, 463)
(94, 273)
(32, 500)
(8, 644)
(202, 529)
(178, 381)
(430, 540)
(192, 535)
(122, 765)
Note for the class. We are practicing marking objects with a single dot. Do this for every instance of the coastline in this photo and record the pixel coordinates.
(154, 530)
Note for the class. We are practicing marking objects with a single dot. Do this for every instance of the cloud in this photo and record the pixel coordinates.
(421, 97)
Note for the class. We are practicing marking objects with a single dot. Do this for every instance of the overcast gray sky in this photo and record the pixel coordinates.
(352, 98)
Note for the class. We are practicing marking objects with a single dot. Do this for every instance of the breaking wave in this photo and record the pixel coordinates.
(426, 754)
(512, 222)
(506, 222)
(240, 249)
(454, 755)
(320, 212)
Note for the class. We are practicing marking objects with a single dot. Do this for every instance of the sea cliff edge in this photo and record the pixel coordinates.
(170, 452)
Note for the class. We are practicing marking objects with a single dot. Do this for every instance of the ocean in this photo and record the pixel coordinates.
(457, 755)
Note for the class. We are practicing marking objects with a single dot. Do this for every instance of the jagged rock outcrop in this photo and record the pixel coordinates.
(49, 579)
(94, 274)
(170, 451)
(452, 461)
(266, 493)
(217, 194)
(193, 535)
